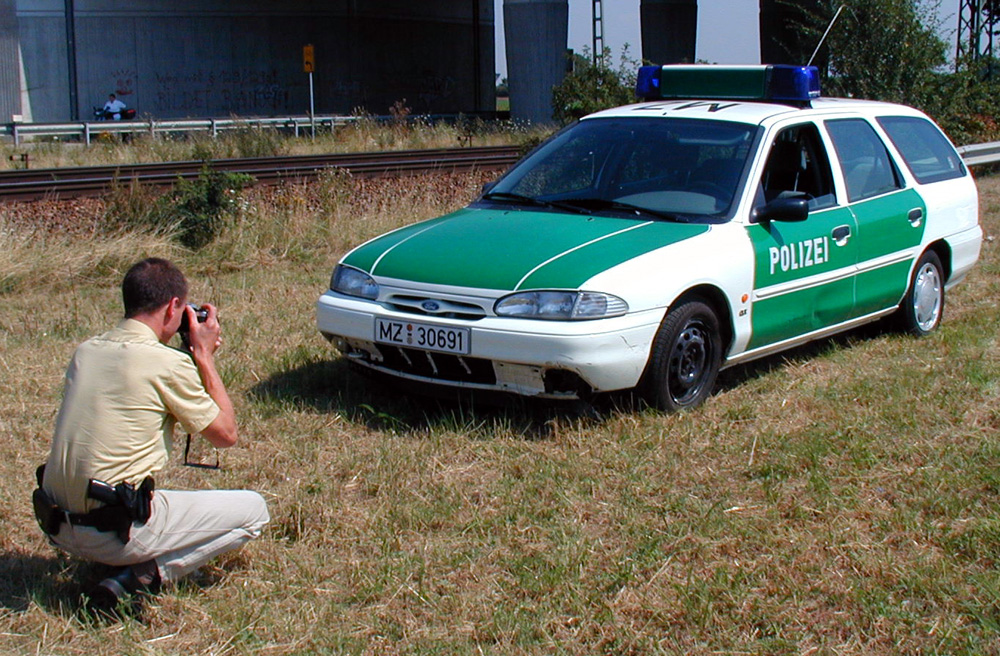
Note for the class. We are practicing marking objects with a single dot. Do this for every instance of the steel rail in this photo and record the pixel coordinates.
(73, 182)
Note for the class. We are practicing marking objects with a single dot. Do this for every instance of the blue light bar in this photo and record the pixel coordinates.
(794, 83)
(775, 83)
(647, 82)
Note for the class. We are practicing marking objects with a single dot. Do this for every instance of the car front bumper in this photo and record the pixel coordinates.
(523, 356)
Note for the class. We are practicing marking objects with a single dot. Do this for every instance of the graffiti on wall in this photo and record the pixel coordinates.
(232, 91)
(124, 85)
(435, 88)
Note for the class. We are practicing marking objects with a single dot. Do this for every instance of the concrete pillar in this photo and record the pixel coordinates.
(10, 68)
(669, 29)
(536, 33)
(780, 42)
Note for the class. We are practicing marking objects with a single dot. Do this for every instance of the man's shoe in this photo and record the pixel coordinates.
(121, 586)
(102, 601)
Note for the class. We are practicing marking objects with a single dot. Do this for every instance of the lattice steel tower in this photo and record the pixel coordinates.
(977, 29)
(598, 15)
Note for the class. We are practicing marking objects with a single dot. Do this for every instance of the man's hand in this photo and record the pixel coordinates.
(205, 337)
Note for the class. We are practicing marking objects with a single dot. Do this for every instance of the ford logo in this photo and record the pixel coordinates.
(430, 306)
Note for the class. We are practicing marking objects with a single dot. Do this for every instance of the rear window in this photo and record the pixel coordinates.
(868, 169)
(927, 153)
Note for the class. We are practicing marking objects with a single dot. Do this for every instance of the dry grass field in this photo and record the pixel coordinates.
(841, 499)
(365, 135)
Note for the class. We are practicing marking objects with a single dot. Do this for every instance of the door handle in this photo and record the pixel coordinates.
(841, 234)
(915, 216)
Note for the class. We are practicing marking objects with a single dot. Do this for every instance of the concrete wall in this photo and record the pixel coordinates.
(187, 58)
(535, 33)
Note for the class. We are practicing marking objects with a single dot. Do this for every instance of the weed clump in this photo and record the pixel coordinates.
(205, 205)
(194, 213)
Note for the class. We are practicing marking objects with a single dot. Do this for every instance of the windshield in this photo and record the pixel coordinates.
(672, 168)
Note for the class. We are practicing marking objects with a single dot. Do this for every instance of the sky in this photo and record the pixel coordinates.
(723, 35)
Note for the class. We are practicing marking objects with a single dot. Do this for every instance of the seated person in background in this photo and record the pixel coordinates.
(113, 108)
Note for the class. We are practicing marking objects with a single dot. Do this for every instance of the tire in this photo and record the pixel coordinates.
(685, 358)
(922, 308)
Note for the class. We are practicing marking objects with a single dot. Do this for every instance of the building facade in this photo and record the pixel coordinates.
(196, 58)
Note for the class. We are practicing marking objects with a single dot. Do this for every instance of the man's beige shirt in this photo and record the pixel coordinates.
(124, 393)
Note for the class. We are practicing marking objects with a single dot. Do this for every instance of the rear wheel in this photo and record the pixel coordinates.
(685, 358)
(923, 306)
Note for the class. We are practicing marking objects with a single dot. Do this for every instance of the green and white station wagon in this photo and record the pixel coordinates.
(733, 214)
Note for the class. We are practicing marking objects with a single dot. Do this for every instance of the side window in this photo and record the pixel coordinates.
(927, 152)
(798, 166)
(867, 167)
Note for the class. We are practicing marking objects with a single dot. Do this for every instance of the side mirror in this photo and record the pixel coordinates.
(487, 186)
(782, 209)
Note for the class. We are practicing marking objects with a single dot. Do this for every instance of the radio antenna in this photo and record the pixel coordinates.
(828, 28)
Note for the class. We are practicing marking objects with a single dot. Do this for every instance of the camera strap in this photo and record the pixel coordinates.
(200, 465)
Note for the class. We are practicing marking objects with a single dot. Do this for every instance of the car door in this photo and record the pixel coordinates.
(890, 217)
(804, 271)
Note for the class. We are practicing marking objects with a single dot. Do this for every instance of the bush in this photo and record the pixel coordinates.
(594, 86)
(966, 104)
(205, 205)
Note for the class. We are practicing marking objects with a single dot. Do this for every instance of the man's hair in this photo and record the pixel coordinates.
(150, 284)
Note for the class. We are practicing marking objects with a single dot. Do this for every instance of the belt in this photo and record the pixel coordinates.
(114, 516)
(105, 518)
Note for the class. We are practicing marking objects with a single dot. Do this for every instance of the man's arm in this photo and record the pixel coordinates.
(205, 340)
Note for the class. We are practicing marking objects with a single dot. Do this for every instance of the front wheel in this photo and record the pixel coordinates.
(923, 306)
(685, 358)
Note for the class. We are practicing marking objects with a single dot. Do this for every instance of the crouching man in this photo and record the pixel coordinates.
(124, 392)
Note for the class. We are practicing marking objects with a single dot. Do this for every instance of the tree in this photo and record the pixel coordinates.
(878, 49)
(890, 50)
(591, 86)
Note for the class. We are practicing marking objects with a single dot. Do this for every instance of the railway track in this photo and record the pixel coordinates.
(74, 182)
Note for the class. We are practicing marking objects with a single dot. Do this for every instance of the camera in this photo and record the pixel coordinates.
(185, 329)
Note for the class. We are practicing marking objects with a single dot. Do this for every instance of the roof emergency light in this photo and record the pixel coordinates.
(778, 83)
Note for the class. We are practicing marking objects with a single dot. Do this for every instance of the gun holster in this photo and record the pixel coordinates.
(123, 504)
(48, 514)
(137, 501)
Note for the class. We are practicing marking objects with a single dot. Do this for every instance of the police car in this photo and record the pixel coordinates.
(734, 214)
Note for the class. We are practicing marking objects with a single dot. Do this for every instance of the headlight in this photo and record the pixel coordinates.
(560, 306)
(353, 282)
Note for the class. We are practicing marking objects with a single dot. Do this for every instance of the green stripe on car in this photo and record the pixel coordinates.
(464, 246)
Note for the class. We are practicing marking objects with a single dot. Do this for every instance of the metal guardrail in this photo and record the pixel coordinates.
(979, 154)
(86, 130)
(972, 154)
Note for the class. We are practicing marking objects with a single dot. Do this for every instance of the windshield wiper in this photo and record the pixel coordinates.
(528, 200)
(516, 198)
(597, 204)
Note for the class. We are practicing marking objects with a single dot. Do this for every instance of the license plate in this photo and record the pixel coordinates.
(423, 336)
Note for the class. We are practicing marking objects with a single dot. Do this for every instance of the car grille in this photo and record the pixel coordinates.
(435, 307)
(440, 366)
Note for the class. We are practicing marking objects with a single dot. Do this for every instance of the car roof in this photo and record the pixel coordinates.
(753, 112)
